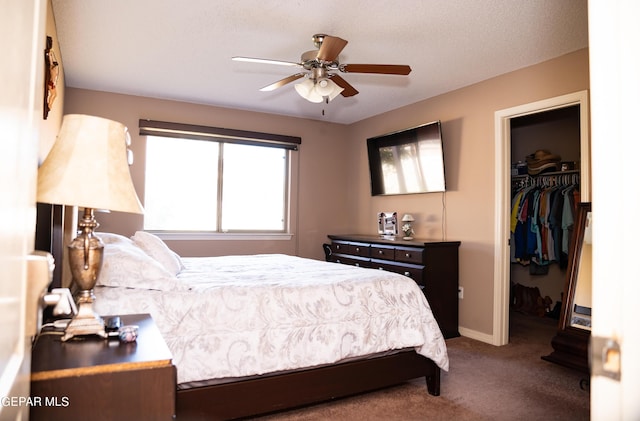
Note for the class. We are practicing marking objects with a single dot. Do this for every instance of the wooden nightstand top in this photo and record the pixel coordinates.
(52, 358)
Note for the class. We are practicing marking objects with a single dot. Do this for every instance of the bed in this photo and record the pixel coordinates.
(261, 333)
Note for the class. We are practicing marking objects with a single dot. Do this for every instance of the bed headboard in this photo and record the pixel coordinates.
(50, 236)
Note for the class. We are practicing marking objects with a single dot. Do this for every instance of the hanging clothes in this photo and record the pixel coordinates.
(542, 214)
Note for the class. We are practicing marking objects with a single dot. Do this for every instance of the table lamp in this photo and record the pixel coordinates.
(88, 167)
(407, 229)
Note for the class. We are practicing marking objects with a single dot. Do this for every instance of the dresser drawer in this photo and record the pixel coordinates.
(356, 249)
(382, 252)
(409, 254)
(414, 272)
(351, 260)
(359, 249)
(340, 247)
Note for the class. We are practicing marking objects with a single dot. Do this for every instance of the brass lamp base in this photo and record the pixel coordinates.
(85, 259)
(86, 322)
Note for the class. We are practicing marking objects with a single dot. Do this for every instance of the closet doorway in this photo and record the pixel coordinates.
(516, 121)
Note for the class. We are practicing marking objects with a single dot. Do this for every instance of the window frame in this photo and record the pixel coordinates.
(222, 135)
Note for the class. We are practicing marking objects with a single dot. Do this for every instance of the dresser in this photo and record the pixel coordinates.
(91, 378)
(432, 264)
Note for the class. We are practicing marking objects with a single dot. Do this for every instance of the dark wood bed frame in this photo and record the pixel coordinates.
(286, 391)
(277, 392)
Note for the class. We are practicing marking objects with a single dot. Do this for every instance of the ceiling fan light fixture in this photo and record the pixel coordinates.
(328, 88)
(306, 89)
(317, 90)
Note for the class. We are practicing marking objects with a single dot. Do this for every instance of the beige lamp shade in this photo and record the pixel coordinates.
(88, 166)
(408, 218)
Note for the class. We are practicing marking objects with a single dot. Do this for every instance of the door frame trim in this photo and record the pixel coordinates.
(502, 190)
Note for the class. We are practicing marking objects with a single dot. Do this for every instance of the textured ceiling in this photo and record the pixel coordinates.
(182, 50)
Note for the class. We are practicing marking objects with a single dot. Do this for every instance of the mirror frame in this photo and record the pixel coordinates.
(573, 269)
(571, 344)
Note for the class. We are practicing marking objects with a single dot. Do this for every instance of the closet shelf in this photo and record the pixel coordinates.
(523, 176)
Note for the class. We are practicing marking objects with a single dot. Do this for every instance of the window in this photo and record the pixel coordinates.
(221, 183)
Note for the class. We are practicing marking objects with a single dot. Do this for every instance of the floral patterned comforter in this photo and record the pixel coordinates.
(250, 315)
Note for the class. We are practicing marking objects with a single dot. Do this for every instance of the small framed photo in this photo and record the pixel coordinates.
(388, 224)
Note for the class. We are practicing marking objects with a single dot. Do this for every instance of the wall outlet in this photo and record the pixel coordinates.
(460, 293)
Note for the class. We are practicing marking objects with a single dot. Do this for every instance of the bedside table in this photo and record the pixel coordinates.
(103, 379)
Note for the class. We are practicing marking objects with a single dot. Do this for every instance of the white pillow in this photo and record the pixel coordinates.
(110, 238)
(126, 265)
(157, 249)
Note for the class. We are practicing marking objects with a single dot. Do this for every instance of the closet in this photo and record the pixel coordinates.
(545, 192)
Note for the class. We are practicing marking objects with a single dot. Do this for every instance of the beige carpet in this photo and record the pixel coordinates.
(484, 383)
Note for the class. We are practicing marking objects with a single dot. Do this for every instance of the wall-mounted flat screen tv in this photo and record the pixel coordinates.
(407, 161)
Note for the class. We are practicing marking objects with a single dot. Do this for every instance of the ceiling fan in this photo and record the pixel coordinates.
(322, 83)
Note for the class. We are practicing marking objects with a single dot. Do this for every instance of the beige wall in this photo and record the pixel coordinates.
(323, 164)
(467, 117)
(49, 127)
(334, 183)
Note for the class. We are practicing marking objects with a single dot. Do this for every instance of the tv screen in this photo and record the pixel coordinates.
(407, 161)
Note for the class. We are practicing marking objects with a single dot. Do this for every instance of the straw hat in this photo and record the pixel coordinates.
(542, 160)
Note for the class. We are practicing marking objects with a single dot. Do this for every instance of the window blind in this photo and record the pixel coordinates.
(190, 131)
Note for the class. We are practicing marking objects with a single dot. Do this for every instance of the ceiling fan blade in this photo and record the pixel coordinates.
(348, 89)
(282, 82)
(330, 48)
(387, 69)
(265, 61)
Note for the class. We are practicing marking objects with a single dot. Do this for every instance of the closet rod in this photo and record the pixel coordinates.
(558, 178)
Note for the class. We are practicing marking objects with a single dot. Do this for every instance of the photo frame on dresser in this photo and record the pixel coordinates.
(388, 225)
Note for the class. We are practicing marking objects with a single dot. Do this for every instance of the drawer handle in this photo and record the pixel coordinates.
(338, 261)
(358, 249)
(380, 268)
(358, 264)
(380, 252)
(421, 287)
(407, 274)
(407, 255)
(337, 246)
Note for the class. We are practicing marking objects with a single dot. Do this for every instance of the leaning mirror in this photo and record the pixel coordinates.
(571, 342)
(580, 316)
(576, 308)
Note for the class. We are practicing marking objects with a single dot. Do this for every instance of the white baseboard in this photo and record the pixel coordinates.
(478, 336)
